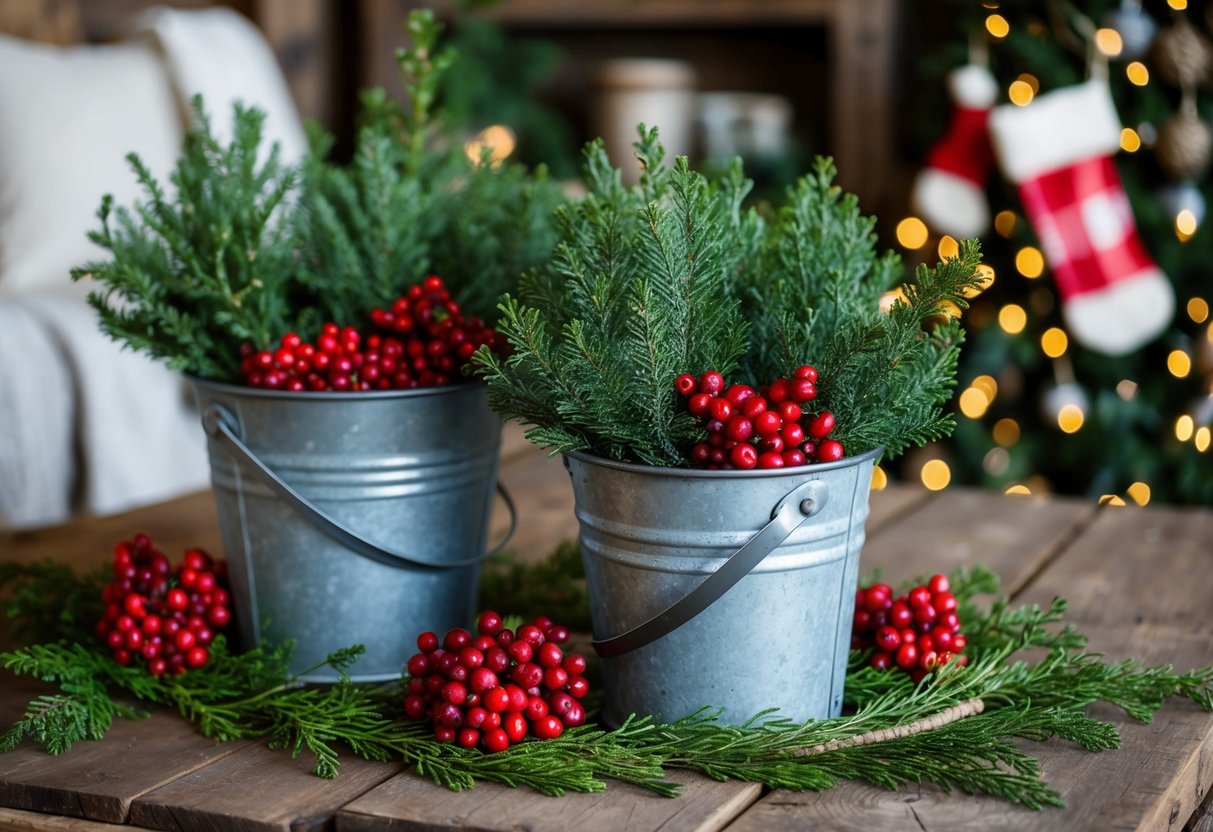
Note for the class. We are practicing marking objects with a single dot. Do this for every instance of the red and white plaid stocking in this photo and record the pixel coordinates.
(950, 192)
(1058, 150)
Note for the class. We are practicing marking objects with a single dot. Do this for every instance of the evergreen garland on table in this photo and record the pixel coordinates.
(957, 728)
(675, 276)
(202, 267)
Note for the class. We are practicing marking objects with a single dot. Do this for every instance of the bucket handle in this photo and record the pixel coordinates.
(217, 421)
(797, 506)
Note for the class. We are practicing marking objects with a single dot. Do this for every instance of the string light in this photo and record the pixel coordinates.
(1012, 318)
(1126, 389)
(912, 233)
(1020, 93)
(973, 403)
(1018, 489)
(1203, 438)
(497, 140)
(1004, 223)
(1070, 418)
(1185, 225)
(1184, 428)
(880, 479)
(998, 27)
(1030, 262)
(1198, 310)
(1006, 432)
(1130, 142)
(1111, 500)
(1139, 492)
(1138, 73)
(987, 385)
(936, 475)
(1109, 42)
(1179, 363)
(1054, 342)
(949, 249)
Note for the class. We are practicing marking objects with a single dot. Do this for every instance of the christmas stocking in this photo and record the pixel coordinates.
(950, 193)
(1058, 151)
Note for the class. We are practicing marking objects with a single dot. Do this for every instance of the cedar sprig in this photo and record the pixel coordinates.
(202, 267)
(412, 202)
(674, 275)
(958, 728)
(636, 292)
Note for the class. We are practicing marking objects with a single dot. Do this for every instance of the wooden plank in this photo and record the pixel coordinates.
(891, 503)
(1139, 584)
(99, 780)
(174, 526)
(409, 802)
(258, 788)
(1014, 536)
(16, 820)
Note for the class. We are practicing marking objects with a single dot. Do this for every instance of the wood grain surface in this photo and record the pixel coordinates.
(409, 803)
(258, 788)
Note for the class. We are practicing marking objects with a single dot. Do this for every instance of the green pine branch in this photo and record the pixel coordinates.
(958, 728)
(199, 268)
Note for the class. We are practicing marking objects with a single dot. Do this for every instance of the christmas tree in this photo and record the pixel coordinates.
(1091, 378)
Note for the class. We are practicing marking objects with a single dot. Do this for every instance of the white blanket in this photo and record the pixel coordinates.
(93, 428)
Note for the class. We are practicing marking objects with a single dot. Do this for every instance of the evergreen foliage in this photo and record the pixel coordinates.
(202, 267)
(237, 250)
(674, 275)
(958, 728)
(412, 202)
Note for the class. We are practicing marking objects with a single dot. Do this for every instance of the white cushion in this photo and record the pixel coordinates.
(68, 118)
(219, 54)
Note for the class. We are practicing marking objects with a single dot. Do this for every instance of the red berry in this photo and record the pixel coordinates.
(547, 728)
(806, 371)
(907, 656)
(698, 404)
(219, 616)
(578, 686)
(418, 665)
(944, 640)
(918, 597)
(574, 663)
(515, 725)
(792, 434)
(685, 384)
(959, 643)
(496, 699)
(888, 639)
(721, 409)
(939, 583)
(521, 651)
(536, 708)
(177, 599)
(802, 390)
(468, 737)
(821, 425)
(881, 660)
(829, 451)
(457, 639)
(135, 605)
(768, 423)
(753, 406)
(739, 393)
(770, 459)
(744, 457)
(779, 391)
(790, 411)
(555, 678)
(900, 615)
(739, 429)
(794, 457)
(496, 740)
(711, 383)
(944, 601)
(196, 657)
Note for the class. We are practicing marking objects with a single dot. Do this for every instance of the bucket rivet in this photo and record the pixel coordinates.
(807, 506)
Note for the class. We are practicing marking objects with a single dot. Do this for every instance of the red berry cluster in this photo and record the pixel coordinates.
(917, 632)
(494, 688)
(422, 341)
(166, 617)
(763, 428)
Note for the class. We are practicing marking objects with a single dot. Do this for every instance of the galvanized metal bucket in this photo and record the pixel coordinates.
(729, 589)
(352, 517)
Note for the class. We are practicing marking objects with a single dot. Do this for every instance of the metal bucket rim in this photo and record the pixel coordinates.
(700, 473)
(331, 395)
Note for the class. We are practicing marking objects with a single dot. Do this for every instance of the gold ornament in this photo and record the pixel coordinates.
(1184, 146)
(1181, 55)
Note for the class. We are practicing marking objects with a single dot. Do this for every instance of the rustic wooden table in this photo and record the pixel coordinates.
(1140, 583)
